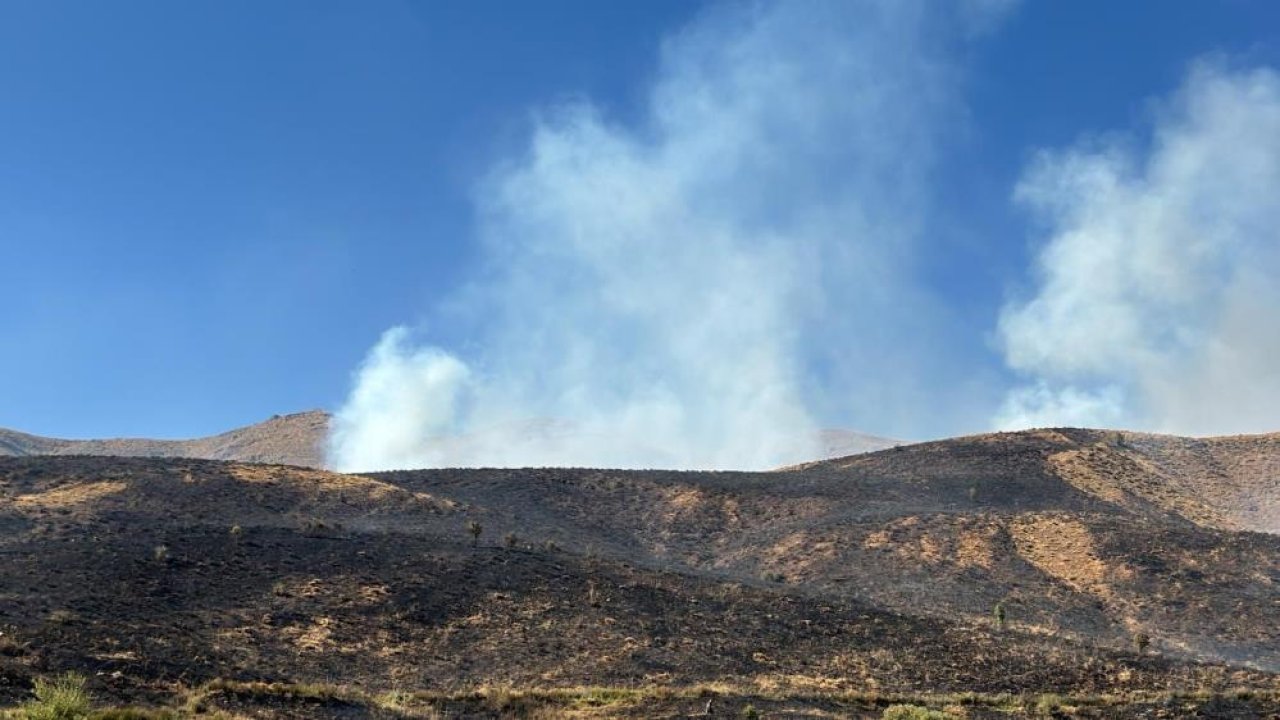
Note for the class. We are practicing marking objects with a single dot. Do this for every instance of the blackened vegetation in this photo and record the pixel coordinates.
(281, 589)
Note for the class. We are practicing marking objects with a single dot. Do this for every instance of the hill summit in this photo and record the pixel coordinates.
(294, 439)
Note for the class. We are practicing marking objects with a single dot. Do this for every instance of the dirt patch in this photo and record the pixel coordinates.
(68, 496)
(1064, 549)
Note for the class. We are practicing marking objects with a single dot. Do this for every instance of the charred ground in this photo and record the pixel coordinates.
(834, 588)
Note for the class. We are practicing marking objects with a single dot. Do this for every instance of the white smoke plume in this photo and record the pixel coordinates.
(691, 291)
(1157, 304)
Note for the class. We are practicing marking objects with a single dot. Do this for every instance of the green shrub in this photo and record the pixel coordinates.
(62, 698)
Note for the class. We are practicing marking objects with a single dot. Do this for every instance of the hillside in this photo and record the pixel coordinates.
(829, 590)
(296, 439)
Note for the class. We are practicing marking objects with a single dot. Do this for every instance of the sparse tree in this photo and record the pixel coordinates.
(475, 528)
(999, 615)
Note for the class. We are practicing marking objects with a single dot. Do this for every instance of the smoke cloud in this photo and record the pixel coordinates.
(709, 285)
(698, 289)
(1156, 299)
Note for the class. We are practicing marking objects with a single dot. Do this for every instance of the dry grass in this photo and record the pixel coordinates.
(225, 699)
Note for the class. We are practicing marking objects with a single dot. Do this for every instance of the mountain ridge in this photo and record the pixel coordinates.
(292, 439)
(301, 438)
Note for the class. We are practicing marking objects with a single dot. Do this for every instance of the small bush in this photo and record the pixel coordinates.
(314, 525)
(911, 712)
(1049, 703)
(62, 698)
(11, 646)
(1141, 642)
(750, 712)
(475, 528)
(395, 700)
(62, 616)
(160, 552)
(510, 540)
(603, 696)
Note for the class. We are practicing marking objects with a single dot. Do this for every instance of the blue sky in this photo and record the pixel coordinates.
(210, 212)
